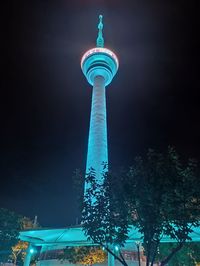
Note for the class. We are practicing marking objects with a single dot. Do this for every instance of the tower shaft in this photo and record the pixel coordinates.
(97, 154)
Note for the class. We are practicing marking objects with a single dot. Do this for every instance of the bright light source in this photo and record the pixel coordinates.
(116, 248)
(100, 50)
(31, 250)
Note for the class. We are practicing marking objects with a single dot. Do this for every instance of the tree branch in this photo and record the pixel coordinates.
(173, 252)
(121, 256)
(155, 252)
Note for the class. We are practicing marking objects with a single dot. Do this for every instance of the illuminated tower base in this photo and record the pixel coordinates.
(99, 65)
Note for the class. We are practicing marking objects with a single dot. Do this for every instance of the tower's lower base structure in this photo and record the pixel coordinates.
(47, 244)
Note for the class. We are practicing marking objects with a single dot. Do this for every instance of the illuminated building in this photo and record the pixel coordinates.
(99, 66)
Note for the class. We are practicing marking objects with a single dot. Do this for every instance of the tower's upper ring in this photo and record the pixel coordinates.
(99, 61)
(99, 50)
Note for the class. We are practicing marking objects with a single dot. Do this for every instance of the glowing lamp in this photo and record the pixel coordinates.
(32, 250)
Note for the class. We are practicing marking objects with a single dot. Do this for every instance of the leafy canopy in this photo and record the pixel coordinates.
(10, 225)
(159, 195)
(83, 255)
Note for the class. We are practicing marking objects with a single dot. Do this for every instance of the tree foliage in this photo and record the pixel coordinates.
(164, 194)
(10, 225)
(104, 215)
(189, 255)
(159, 195)
(19, 250)
(83, 255)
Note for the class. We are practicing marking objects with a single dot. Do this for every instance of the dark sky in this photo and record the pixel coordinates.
(153, 101)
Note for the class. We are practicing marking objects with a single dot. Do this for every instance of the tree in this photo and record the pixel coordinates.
(19, 250)
(159, 195)
(10, 225)
(164, 194)
(189, 255)
(167, 201)
(83, 255)
(104, 214)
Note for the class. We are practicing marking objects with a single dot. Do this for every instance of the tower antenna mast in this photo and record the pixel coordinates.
(100, 39)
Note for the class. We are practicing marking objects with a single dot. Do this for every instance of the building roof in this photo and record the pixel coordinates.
(74, 236)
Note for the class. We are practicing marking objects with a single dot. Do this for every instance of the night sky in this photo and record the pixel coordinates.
(152, 102)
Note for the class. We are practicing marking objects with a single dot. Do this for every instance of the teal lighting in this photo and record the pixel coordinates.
(99, 61)
(55, 239)
(100, 40)
(32, 250)
(99, 66)
(70, 236)
(116, 248)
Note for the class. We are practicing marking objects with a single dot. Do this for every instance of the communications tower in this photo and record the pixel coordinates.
(99, 66)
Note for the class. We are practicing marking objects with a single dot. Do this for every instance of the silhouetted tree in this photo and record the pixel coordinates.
(189, 255)
(158, 195)
(164, 194)
(10, 225)
(19, 250)
(104, 215)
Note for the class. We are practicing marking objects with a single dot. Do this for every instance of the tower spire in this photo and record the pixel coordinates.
(100, 40)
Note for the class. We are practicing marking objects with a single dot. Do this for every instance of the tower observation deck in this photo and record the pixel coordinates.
(99, 66)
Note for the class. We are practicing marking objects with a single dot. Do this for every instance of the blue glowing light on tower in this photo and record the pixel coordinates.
(99, 66)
